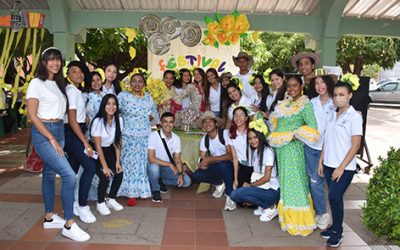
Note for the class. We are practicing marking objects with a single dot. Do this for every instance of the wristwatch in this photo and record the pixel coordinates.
(181, 173)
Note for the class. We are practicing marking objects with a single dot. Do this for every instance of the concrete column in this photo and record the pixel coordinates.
(66, 43)
(326, 48)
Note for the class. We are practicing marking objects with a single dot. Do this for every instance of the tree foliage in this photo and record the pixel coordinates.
(104, 46)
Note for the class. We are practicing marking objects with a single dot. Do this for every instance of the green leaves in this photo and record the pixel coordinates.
(208, 19)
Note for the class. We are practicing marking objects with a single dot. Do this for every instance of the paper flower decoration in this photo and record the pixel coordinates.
(131, 34)
(351, 79)
(102, 74)
(225, 30)
(259, 125)
(132, 52)
(157, 89)
(266, 76)
(237, 82)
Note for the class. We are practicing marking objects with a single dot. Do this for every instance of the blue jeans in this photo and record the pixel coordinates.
(74, 148)
(216, 174)
(316, 182)
(336, 192)
(155, 171)
(264, 198)
(54, 164)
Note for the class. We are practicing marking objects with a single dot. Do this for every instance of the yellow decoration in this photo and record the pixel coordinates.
(131, 34)
(234, 38)
(222, 38)
(255, 36)
(237, 82)
(259, 125)
(266, 76)
(132, 52)
(102, 74)
(209, 40)
(241, 24)
(156, 89)
(351, 79)
(227, 23)
(213, 28)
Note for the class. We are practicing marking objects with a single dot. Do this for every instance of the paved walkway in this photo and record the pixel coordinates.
(183, 221)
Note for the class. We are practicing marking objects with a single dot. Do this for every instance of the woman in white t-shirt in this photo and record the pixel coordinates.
(323, 107)
(212, 92)
(259, 101)
(263, 188)
(338, 157)
(77, 145)
(236, 99)
(106, 134)
(46, 102)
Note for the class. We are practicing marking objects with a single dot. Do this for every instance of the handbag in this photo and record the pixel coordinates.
(33, 163)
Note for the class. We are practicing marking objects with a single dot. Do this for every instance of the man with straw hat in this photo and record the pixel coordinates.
(245, 62)
(215, 163)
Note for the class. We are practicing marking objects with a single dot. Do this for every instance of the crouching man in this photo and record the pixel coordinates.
(165, 163)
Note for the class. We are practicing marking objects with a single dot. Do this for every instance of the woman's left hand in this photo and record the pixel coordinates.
(118, 167)
(254, 108)
(337, 174)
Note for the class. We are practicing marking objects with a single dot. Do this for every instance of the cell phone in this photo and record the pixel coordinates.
(95, 155)
(200, 160)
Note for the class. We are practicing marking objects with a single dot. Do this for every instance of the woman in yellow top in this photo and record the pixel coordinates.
(293, 122)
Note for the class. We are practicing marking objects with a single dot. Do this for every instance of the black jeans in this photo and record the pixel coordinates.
(111, 159)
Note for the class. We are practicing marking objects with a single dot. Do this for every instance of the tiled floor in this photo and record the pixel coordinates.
(189, 221)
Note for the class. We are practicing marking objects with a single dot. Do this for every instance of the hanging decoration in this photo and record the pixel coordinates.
(159, 33)
(225, 30)
(131, 34)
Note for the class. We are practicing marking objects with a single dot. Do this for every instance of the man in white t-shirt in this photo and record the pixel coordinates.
(164, 153)
(215, 162)
(245, 62)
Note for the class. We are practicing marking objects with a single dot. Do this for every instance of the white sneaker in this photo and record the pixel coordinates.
(219, 191)
(76, 205)
(56, 222)
(75, 233)
(258, 211)
(103, 209)
(86, 215)
(230, 205)
(268, 214)
(113, 204)
(324, 221)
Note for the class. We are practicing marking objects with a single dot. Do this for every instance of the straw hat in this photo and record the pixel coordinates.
(226, 75)
(297, 57)
(208, 115)
(243, 54)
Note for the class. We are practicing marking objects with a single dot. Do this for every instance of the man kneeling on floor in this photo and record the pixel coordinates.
(164, 152)
(215, 162)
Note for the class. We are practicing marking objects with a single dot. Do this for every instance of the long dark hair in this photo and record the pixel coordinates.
(330, 85)
(116, 83)
(88, 88)
(262, 144)
(181, 72)
(203, 77)
(207, 86)
(264, 94)
(281, 92)
(102, 114)
(233, 128)
(43, 74)
(229, 101)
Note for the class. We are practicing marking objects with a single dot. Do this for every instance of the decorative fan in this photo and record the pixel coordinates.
(150, 24)
(170, 27)
(158, 43)
(191, 34)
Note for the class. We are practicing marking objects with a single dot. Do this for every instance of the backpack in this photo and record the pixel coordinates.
(220, 136)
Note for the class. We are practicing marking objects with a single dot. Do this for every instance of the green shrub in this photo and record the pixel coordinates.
(381, 213)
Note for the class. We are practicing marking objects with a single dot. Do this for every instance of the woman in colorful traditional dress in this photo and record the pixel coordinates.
(293, 122)
(138, 110)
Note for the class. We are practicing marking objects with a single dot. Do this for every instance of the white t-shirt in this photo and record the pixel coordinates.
(322, 113)
(107, 133)
(76, 101)
(338, 137)
(259, 171)
(216, 147)
(239, 144)
(52, 103)
(173, 143)
(247, 90)
(245, 102)
(270, 100)
(215, 97)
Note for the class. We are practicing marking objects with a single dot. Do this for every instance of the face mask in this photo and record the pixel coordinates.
(341, 101)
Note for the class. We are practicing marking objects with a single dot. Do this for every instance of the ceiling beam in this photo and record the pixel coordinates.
(369, 27)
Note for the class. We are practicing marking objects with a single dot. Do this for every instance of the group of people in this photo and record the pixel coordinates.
(268, 147)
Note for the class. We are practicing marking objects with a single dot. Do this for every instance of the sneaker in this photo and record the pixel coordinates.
(103, 209)
(55, 222)
(156, 196)
(113, 204)
(335, 239)
(131, 202)
(268, 214)
(258, 211)
(75, 233)
(86, 215)
(230, 205)
(219, 191)
(324, 221)
(163, 187)
(76, 205)
(326, 234)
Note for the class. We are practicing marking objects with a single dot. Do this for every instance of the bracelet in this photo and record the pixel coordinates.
(180, 173)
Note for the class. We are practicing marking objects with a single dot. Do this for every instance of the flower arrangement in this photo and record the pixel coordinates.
(157, 89)
(259, 125)
(225, 30)
(265, 76)
(351, 79)
(126, 82)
